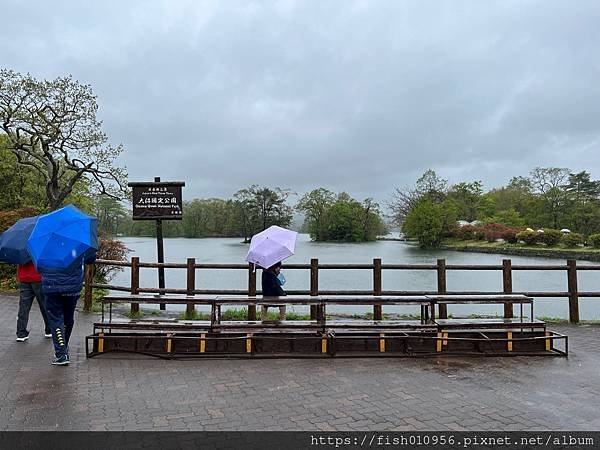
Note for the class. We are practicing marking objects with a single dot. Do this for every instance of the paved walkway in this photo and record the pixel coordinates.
(140, 393)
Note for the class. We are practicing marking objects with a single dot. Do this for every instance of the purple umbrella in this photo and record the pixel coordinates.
(271, 246)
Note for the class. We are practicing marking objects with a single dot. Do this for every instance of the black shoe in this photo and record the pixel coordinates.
(22, 338)
(60, 360)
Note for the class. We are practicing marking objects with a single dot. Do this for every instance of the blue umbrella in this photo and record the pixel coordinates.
(62, 237)
(13, 242)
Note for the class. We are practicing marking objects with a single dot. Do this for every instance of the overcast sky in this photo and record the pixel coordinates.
(361, 96)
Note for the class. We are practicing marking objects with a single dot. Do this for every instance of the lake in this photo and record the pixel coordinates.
(231, 250)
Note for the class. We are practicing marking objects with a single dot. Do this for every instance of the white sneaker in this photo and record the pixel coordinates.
(22, 339)
(48, 335)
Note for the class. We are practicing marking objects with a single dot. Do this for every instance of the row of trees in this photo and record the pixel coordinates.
(331, 217)
(328, 217)
(549, 197)
(250, 211)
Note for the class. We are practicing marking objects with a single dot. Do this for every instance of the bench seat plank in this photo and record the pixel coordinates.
(157, 299)
(378, 324)
(490, 323)
(456, 299)
(135, 325)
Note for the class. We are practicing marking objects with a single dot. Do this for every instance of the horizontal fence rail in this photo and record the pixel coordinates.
(376, 267)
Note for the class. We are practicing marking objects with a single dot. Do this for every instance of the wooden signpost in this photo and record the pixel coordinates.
(158, 200)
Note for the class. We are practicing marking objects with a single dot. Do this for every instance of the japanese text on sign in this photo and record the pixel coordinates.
(162, 201)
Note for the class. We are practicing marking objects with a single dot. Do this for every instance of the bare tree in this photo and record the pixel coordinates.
(404, 199)
(52, 127)
(545, 178)
(550, 183)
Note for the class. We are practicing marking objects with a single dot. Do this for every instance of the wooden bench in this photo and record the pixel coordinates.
(216, 302)
(427, 320)
(323, 336)
(487, 323)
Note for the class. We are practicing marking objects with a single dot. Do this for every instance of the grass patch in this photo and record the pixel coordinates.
(242, 314)
(135, 315)
(292, 316)
(369, 316)
(97, 296)
(194, 315)
(235, 314)
(548, 319)
(272, 314)
(483, 316)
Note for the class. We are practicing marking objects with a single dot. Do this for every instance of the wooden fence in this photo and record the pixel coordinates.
(376, 267)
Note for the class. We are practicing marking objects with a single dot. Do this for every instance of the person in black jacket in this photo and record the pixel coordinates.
(272, 280)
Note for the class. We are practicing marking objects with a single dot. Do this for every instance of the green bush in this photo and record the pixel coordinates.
(572, 239)
(594, 240)
(529, 237)
(425, 222)
(8, 277)
(550, 237)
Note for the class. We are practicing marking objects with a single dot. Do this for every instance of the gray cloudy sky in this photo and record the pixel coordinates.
(359, 96)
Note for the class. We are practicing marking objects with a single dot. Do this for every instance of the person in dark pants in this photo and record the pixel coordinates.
(62, 288)
(272, 280)
(30, 287)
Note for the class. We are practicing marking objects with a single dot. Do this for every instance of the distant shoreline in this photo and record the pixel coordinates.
(470, 247)
(525, 251)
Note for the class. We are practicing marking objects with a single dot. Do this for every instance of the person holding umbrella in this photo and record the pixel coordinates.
(267, 249)
(13, 250)
(272, 282)
(61, 242)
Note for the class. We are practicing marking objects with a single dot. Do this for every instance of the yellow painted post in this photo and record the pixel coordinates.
(169, 342)
(249, 343)
(510, 343)
(445, 342)
(101, 343)
(381, 343)
(548, 342)
(202, 342)
(324, 344)
(438, 342)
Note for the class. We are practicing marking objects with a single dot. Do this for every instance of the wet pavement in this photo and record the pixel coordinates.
(131, 392)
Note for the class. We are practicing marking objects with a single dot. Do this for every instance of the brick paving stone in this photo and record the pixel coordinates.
(133, 392)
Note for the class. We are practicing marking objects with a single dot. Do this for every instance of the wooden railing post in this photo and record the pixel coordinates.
(191, 285)
(87, 293)
(377, 313)
(507, 286)
(573, 294)
(441, 286)
(314, 285)
(135, 282)
(251, 290)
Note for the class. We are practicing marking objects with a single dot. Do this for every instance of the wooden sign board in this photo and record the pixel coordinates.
(157, 200)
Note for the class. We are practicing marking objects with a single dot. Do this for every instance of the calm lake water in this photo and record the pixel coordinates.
(231, 250)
